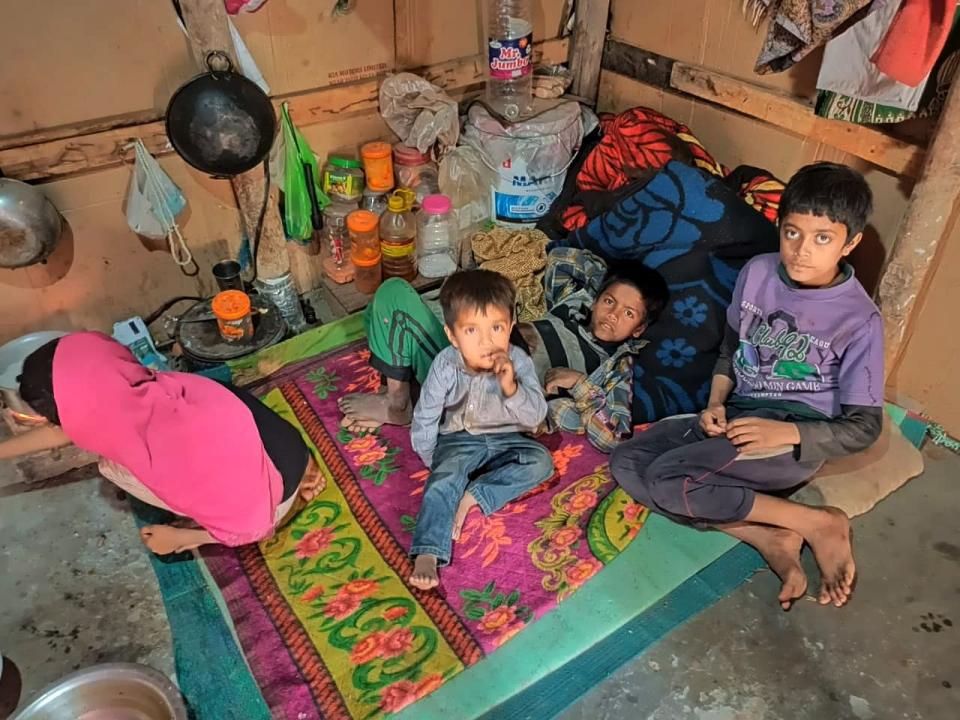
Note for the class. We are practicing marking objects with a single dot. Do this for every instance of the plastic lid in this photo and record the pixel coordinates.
(342, 162)
(436, 204)
(406, 155)
(365, 260)
(376, 150)
(231, 305)
(362, 221)
(396, 203)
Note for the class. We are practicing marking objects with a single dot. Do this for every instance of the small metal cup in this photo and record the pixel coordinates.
(227, 275)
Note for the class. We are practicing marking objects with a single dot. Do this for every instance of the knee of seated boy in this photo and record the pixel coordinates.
(541, 465)
(665, 487)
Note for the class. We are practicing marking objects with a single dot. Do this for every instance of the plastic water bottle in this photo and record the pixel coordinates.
(510, 67)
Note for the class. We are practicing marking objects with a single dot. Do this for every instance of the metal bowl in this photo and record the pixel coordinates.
(13, 353)
(30, 225)
(113, 691)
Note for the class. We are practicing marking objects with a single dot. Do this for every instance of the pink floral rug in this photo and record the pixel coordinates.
(323, 611)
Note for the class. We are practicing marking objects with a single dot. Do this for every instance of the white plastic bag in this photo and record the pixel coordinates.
(153, 203)
(466, 180)
(419, 112)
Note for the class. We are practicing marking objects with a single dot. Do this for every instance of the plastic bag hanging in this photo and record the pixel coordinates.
(153, 203)
(300, 169)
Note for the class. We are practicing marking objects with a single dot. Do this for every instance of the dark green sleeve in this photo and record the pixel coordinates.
(856, 429)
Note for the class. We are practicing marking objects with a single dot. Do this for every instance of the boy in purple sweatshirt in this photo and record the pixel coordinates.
(799, 380)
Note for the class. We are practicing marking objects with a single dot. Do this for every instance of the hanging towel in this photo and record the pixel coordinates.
(839, 106)
(799, 26)
(847, 68)
(915, 39)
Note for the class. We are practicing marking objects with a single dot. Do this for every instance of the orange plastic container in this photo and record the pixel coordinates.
(378, 165)
(232, 310)
(368, 273)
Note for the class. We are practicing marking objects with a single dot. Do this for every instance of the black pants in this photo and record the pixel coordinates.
(676, 470)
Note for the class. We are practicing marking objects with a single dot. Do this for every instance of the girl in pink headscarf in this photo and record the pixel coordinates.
(185, 443)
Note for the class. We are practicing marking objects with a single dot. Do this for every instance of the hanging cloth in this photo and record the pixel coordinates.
(153, 203)
(915, 40)
(847, 69)
(797, 27)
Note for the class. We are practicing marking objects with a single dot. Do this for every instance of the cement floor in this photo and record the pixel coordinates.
(894, 652)
(76, 588)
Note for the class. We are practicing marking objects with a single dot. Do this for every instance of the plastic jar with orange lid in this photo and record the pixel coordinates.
(367, 274)
(365, 250)
(234, 319)
(378, 165)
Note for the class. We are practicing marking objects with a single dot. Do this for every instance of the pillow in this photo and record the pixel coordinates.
(698, 233)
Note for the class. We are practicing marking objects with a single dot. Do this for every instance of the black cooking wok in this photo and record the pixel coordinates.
(220, 122)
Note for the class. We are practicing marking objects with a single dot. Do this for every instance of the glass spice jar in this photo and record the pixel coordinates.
(374, 201)
(335, 251)
(416, 171)
(343, 179)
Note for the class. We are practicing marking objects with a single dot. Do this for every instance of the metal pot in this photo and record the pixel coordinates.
(29, 224)
(112, 690)
(220, 122)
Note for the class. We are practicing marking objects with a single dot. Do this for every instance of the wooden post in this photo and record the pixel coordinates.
(206, 22)
(589, 34)
(927, 221)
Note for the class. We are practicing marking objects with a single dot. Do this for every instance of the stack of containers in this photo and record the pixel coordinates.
(385, 238)
(365, 250)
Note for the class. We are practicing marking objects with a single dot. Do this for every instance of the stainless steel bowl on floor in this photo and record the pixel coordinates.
(114, 691)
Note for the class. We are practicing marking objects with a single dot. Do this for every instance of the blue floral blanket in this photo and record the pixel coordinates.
(698, 233)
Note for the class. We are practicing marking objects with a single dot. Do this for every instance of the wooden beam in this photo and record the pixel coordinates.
(778, 109)
(924, 227)
(104, 147)
(208, 30)
(586, 53)
(35, 137)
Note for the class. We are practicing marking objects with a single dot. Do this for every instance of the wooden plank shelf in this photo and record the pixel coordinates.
(345, 299)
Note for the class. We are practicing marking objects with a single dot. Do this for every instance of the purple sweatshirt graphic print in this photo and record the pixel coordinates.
(821, 347)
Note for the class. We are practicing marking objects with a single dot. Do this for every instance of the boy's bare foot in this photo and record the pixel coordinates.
(466, 502)
(833, 549)
(424, 574)
(367, 412)
(781, 549)
(166, 539)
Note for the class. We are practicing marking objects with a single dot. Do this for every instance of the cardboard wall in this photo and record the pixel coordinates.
(92, 59)
(714, 33)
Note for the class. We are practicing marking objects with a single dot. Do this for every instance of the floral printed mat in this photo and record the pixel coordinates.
(323, 613)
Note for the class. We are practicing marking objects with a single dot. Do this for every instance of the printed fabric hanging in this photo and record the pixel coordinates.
(796, 28)
(153, 203)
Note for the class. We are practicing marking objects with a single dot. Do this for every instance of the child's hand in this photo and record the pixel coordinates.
(713, 420)
(561, 378)
(503, 369)
(752, 434)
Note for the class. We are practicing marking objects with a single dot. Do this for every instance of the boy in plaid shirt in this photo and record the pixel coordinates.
(582, 349)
